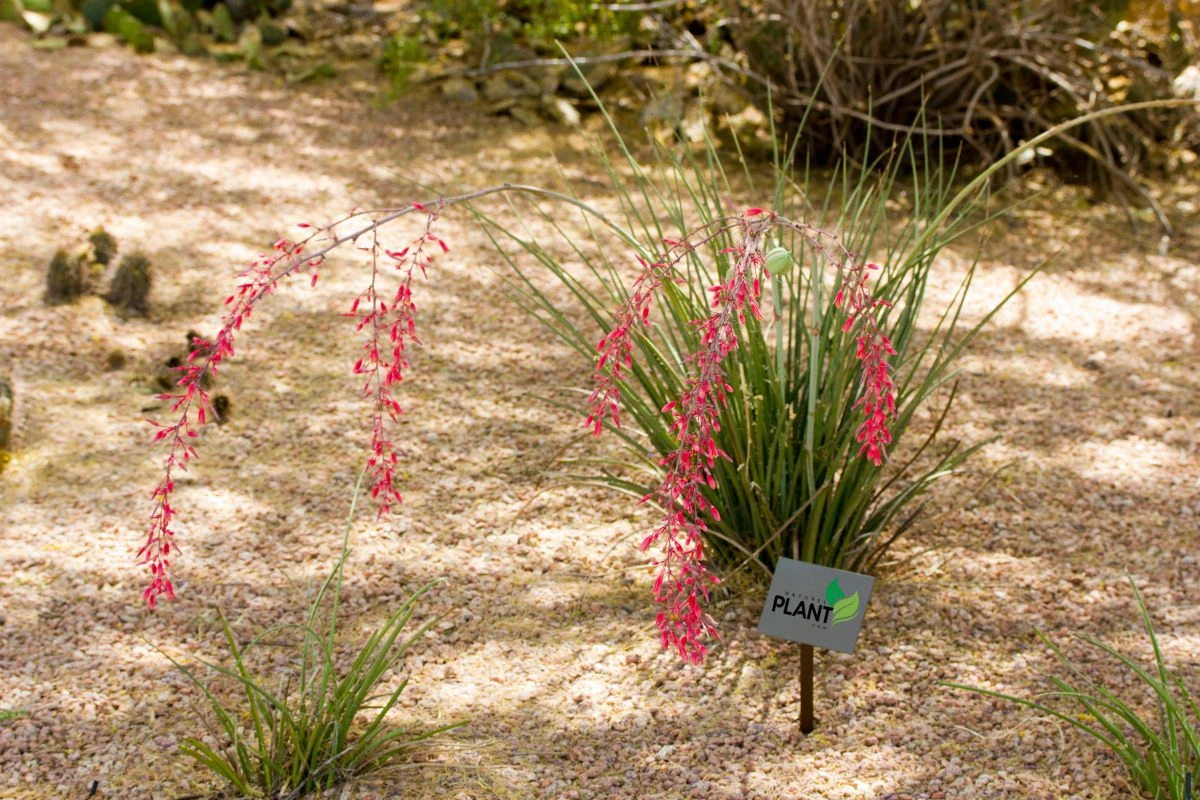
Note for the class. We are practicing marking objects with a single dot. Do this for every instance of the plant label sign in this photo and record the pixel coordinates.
(820, 606)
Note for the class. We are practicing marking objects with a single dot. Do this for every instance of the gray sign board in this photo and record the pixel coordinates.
(816, 605)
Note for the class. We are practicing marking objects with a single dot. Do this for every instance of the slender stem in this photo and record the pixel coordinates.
(467, 197)
(806, 689)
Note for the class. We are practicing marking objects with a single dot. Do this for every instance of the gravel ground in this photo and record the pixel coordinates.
(547, 647)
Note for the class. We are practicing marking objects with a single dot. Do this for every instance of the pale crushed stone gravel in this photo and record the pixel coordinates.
(547, 645)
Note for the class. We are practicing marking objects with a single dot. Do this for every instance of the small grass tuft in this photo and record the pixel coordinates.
(1162, 752)
(307, 735)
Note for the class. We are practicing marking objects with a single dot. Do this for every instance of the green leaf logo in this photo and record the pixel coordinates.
(845, 609)
(833, 593)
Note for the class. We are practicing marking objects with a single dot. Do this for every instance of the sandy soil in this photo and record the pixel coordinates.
(547, 647)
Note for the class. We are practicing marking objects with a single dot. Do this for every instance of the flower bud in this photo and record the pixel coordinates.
(778, 259)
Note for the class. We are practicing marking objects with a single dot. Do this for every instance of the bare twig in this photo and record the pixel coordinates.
(655, 6)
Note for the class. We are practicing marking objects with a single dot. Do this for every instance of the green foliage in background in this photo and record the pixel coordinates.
(497, 25)
(228, 30)
(401, 56)
(500, 31)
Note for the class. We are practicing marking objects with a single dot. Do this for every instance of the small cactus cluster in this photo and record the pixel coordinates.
(69, 277)
(104, 246)
(6, 421)
(65, 278)
(130, 289)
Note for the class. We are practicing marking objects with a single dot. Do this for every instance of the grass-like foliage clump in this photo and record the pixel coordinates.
(1161, 749)
(326, 722)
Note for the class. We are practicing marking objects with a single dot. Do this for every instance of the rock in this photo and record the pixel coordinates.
(525, 111)
(510, 85)
(102, 41)
(460, 90)
(428, 73)
(561, 110)
(300, 24)
(598, 74)
(37, 22)
(50, 43)
(594, 75)
(350, 47)
(747, 123)
(700, 77)
(505, 50)
(500, 106)
(1095, 362)
(1188, 82)
(725, 100)
(663, 111)
(548, 78)
(694, 125)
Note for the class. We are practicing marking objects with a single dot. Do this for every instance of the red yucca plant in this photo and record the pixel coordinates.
(386, 313)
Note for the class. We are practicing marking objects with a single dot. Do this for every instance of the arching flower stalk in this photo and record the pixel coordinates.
(391, 320)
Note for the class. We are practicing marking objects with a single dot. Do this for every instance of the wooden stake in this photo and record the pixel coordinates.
(806, 688)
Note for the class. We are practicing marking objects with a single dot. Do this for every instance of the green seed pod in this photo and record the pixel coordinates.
(779, 260)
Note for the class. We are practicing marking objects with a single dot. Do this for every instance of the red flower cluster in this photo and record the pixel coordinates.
(616, 347)
(878, 401)
(255, 283)
(683, 580)
(393, 327)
